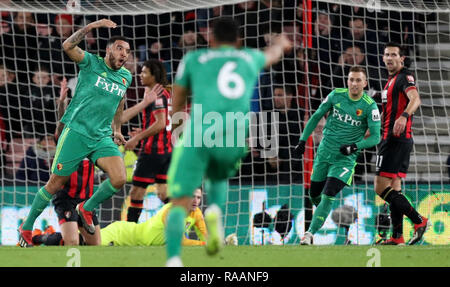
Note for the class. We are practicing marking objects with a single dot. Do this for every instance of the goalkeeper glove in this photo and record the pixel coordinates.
(300, 147)
(348, 149)
(231, 239)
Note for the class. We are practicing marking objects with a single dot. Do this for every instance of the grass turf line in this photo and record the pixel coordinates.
(230, 256)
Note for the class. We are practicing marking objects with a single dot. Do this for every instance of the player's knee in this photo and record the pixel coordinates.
(333, 186)
(161, 192)
(71, 240)
(137, 193)
(118, 181)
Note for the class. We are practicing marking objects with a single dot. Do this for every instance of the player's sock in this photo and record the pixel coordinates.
(105, 191)
(51, 239)
(217, 192)
(315, 191)
(397, 222)
(40, 202)
(321, 213)
(175, 230)
(398, 201)
(81, 240)
(135, 209)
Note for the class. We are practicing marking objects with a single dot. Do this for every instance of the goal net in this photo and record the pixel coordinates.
(267, 200)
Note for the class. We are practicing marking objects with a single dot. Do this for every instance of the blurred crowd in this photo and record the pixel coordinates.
(33, 64)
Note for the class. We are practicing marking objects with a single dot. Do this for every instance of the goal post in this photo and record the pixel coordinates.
(267, 200)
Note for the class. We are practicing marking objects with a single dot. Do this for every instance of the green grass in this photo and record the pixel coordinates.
(230, 256)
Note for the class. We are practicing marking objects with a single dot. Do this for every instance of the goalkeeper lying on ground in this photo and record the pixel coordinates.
(148, 233)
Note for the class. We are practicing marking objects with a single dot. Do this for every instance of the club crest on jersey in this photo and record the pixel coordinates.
(59, 166)
(410, 78)
(359, 112)
(124, 81)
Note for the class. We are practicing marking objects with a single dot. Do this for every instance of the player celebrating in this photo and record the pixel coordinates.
(78, 188)
(400, 100)
(351, 113)
(155, 138)
(221, 80)
(98, 101)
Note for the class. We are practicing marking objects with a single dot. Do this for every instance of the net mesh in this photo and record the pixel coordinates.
(267, 202)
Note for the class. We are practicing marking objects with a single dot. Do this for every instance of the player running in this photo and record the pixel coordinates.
(221, 79)
(350, 113)
(98, 102)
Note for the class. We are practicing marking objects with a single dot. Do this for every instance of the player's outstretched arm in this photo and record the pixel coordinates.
(149, 97)
(281, 44)
(70, 44)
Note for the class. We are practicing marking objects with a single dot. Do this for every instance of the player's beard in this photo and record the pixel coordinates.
(114, 62)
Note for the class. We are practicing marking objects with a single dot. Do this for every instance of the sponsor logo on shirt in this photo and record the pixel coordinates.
(410, 78)
(111, 87)
(346, 118)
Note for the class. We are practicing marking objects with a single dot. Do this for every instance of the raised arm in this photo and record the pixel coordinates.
(62, 105)
(149, 97)
(70, 44)
(281, 44)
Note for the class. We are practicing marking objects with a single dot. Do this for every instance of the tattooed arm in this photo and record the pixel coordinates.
(70, 44)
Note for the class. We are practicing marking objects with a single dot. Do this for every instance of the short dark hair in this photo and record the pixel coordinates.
(157, 69)
(225, 30)
(113, 39)
(395, 44)
(358, 69)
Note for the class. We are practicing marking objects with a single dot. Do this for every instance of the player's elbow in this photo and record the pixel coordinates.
(66, 45)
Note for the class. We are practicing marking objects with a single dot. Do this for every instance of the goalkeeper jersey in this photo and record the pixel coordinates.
(98, 93)
(150, 232)
(347, 121)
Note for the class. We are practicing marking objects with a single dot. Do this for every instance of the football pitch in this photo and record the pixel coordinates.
(230, 256)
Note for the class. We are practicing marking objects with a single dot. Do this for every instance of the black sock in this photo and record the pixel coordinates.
(403, 206)
(81, 240)
(387, 194)
(135, 209)
(51, 239)
(397, 222)
(165, 201)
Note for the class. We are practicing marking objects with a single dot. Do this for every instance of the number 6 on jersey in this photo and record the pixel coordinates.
(230, 84)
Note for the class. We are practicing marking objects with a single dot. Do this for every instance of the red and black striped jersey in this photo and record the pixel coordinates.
(80, 185)
(161, 143)
(395, 101)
